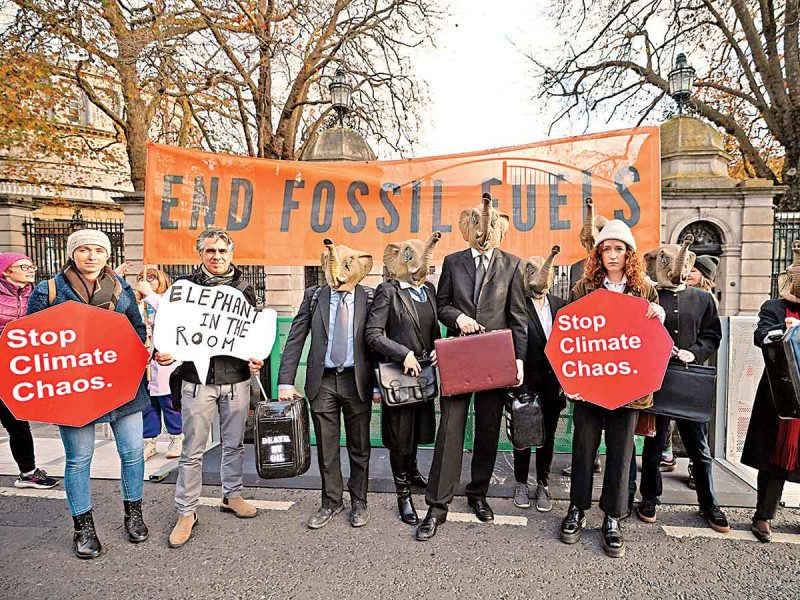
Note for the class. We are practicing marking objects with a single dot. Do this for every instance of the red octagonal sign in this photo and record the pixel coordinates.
(70, 364)
(605, 349)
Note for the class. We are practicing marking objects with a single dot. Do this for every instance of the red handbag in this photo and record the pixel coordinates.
(474, 363)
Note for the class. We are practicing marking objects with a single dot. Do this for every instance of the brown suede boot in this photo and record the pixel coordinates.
(182, 531)
(238, 506)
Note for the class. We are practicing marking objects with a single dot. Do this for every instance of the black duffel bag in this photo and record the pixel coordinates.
(687, 392)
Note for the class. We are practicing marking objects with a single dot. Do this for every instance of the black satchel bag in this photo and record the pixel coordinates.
(524, 421)
(399, 389)
(687, 392)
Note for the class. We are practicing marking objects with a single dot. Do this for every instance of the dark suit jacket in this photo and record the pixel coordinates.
(539, 375)
(502, 301)
(393, 323)
(692, 321)
(318, 325)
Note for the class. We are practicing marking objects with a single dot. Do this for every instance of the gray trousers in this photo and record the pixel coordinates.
(199, 403)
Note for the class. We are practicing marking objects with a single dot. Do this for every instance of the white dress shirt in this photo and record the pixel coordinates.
(545, 316)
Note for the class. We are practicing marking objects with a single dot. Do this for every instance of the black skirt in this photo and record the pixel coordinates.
(404, 427)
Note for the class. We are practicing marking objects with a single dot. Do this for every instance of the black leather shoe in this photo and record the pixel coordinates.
(84, 541)
(762, 531)
(323, 516)
(613, 544)
(134, 522)
(481, 509)
(572, 526)
(405, 506)
(359, 514)
(427, 529)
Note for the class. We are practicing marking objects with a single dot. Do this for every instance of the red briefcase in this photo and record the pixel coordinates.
(473, 363)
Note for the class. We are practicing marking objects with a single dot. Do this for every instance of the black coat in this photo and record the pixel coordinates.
(391, 334)
(539, 375)
(392, 324)
(502, 301)
(692, 321)
(762, 433)
(222, 370)
(318, 324)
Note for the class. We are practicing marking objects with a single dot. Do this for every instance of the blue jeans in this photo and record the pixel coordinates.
(161, 405)
(79, 448)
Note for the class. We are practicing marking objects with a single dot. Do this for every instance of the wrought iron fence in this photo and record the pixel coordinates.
(785, 231)
(46, 241)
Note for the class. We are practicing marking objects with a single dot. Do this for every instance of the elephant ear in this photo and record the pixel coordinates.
(365, 261)
(691, 257)
(390, 255)
(503, 222)
(464, 223)
(650, 263)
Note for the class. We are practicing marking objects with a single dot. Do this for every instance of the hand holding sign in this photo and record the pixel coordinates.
(195, 323)
(605, 349)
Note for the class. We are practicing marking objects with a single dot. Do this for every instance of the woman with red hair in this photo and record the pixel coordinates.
(614, 265)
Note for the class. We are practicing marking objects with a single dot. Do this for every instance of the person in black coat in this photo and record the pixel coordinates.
(767, 433)
(480, 289)
(693, 323)
(339, 377)
(540, 379)
(401, 328)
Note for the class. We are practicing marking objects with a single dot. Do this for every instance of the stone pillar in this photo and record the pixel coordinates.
(133, 221)
(758, 221)
(13, 212)
(285, 287)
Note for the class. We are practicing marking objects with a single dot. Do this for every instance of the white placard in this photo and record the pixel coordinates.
(195, 323)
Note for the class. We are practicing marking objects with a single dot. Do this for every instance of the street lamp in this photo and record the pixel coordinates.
(341, 92)
(681, 79)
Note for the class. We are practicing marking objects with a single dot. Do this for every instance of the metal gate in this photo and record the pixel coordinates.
(785, 230)
(46, 241)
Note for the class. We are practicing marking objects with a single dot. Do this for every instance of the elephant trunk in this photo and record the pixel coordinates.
(543, 280)
(427, 252)
(483, 233)
(588, 221)
(796, 253)
(333, 261)
(681, 258)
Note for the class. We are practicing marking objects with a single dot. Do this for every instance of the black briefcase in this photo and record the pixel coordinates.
(524, 421)
(282, 439)
(778, 370)
(687, 392)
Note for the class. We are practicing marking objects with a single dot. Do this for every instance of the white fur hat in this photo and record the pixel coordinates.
(87, 237)
(616, 230)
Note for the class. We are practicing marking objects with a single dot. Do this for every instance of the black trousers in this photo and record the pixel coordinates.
(769, 492)
(695, 440)
(590, 421)
(446, 467)
(20, 440)
(544, 454)
(338, 395)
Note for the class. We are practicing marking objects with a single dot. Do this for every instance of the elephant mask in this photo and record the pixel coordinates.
(669, 265)
(409, 260)
(538, 273)
(592, 224)
(789, 280)
(483, 226)
(344, 267)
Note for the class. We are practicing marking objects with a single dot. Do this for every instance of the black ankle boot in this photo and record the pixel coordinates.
(405, 505)
(84, 541)
(134, 522)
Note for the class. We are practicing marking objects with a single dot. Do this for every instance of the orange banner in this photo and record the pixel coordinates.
(280, 211)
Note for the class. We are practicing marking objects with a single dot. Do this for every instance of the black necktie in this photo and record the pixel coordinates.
(480, 274)
(341, 331)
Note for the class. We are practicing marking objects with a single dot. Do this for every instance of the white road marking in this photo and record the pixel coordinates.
(204, 501)
(34, 493)
(262, 504)
(734, 534)
(457, 517)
